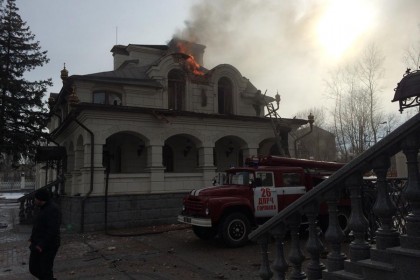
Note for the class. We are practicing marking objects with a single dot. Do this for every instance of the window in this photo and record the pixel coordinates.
(291, 179)
(266, 179)
(99, 97)
(106, 97)
(176, 90)
(224, 96)
(240, 178)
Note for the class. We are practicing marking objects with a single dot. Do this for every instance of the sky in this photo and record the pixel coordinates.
(289, 47)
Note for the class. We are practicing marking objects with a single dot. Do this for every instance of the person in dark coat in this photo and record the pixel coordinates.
(45, 237)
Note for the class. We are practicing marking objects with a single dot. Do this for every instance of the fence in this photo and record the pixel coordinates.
(16, 185)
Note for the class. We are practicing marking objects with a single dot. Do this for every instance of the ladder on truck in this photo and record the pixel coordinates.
(275, 124)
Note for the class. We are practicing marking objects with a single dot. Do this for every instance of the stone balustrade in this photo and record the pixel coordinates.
(395, 226)
(27, 206)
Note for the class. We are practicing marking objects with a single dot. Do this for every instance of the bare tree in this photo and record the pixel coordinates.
(412, 55)
(356, 115)
(339, 85)
(371, 72)
(412, 61)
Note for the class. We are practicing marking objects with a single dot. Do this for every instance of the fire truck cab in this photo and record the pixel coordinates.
(250, 195)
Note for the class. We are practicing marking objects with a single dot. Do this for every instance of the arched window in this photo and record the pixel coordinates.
(225, 96)
(106, 97)
(176, 90)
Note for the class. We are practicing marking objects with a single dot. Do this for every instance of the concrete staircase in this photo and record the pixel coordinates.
(401, 262)
(396, 254)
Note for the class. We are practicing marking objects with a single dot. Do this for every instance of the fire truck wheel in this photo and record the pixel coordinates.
(204, 232)
(235, 228)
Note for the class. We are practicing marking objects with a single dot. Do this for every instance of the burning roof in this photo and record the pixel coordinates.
(194, 55)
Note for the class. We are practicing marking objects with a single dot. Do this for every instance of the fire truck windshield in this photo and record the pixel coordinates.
(239, 178)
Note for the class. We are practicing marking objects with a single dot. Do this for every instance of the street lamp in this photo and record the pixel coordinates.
(386, 130)
(407, 92)
(311, 120)
(277, 98)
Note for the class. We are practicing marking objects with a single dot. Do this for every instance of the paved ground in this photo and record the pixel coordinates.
(170, 252)
(164, 253)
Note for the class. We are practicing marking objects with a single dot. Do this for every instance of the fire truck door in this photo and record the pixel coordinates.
(265, 196)
(292, 188)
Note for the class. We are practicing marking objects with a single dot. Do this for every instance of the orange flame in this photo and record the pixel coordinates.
(192, 65)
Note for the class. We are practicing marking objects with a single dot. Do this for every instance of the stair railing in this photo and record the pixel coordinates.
(347, 179)
(27, 206)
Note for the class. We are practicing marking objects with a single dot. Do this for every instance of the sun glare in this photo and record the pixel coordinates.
(342, 24)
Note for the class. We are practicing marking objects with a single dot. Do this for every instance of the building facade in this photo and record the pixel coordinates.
(318, 144)
(158, 125)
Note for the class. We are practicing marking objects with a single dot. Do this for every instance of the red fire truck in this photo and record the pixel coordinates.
(250, 195)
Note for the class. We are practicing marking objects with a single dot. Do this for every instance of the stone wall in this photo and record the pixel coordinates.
(123, 211)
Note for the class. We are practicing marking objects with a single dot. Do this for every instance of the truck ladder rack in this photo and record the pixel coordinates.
(275, 123)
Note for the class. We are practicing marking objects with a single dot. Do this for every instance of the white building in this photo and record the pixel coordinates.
(162, 124)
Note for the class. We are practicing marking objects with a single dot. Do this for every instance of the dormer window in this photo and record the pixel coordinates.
(224, 96)
(176, 90)
(106, 97)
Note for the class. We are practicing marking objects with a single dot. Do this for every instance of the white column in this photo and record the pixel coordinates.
(205, 163)
(98, 169)
(77, 175)
(155, 168)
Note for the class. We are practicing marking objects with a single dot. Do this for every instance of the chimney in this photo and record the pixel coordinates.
(194, 49)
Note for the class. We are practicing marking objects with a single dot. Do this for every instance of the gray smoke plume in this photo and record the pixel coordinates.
(274, 43)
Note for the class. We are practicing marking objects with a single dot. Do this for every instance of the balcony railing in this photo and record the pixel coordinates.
(394, 225)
